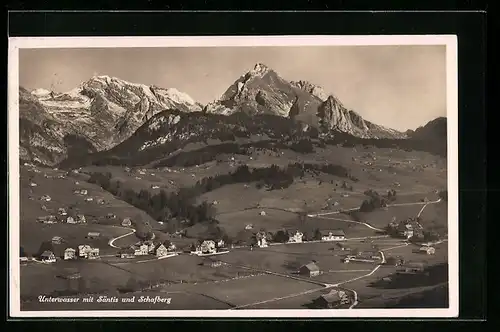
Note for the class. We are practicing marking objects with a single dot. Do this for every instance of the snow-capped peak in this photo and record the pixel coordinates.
(40, 92)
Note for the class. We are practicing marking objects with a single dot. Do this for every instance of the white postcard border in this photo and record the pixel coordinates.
(450, 41)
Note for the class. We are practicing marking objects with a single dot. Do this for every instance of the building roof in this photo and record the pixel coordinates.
(311, 267)
(335, 232)
(69, 249)
(333, 296)
(93, 233)
(47, 253)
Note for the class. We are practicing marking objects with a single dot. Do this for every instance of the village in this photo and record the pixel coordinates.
(350, 249)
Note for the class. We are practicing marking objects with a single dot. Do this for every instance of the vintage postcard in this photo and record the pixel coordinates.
(283, 176)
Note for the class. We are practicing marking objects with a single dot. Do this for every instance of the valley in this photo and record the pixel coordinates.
(270, 197)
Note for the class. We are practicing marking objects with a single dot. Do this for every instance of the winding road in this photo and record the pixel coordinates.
(112, 241)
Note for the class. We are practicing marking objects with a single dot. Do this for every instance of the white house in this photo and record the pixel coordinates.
(334, 235)
(33, 184)
(161, 250)
(89, 199)
(249, 226)
(83, 250)
(262, 213)
(70, 220)
(69, 253)
(126, 222)
(155, 187)
(141, 250)
(80, 219)
(296, 238)
(221, 244)
(208, 247)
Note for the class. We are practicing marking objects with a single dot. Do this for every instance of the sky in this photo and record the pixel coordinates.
(401, 87)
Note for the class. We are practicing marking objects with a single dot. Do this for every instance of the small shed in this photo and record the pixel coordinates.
(93, 235)
(57, 240)
(309, 270)
(126, 222)
(262, 213)
(427, 250)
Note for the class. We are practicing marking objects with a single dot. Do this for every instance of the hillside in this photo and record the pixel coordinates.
(98, 114)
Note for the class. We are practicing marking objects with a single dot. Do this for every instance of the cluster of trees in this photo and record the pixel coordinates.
(181, 205)
(391, 195)
(375, 201)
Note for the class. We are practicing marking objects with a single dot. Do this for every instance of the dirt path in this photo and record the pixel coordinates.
(112, 241)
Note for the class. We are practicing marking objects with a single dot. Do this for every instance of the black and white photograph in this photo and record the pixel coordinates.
(284, 176)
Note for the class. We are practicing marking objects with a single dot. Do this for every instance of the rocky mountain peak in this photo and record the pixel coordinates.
(313, 89)
(259, 69)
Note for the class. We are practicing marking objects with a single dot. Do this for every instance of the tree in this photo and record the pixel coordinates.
(317, 234)
(281, 236)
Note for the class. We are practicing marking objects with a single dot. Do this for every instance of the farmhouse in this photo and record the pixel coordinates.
(221, 244)
(89, 199)
(110, 216)
(261, 239)
(369, 255)
(93, 253)
(160, 250)
(155, 187)
(334, 235)
(33, 184)
(208, 247)
(80, 219)
(127, 253)
(262, 213)
(57, 240)
(427, 250)
(405, 230)
(62, 212)
(126, 222)
(69, 253)
(83, 250)
(310, 270)
(249, 226)
(70, 220)
(296, 238)
(93, 235)
(141, 250)
(100, 201)
(333, 299)
(411, 268)
(48, 257)
(47, 219)
(46, 198)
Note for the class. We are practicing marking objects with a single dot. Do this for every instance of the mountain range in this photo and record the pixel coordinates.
(107, 115)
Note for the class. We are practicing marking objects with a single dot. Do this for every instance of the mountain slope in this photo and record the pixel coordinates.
(42, 138)
(103, 111)
(433, 130)
(263, 91)
(171, 130)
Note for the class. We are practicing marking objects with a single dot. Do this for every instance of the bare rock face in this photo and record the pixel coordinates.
(103, 111)
(313, 89)
(334, 116)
